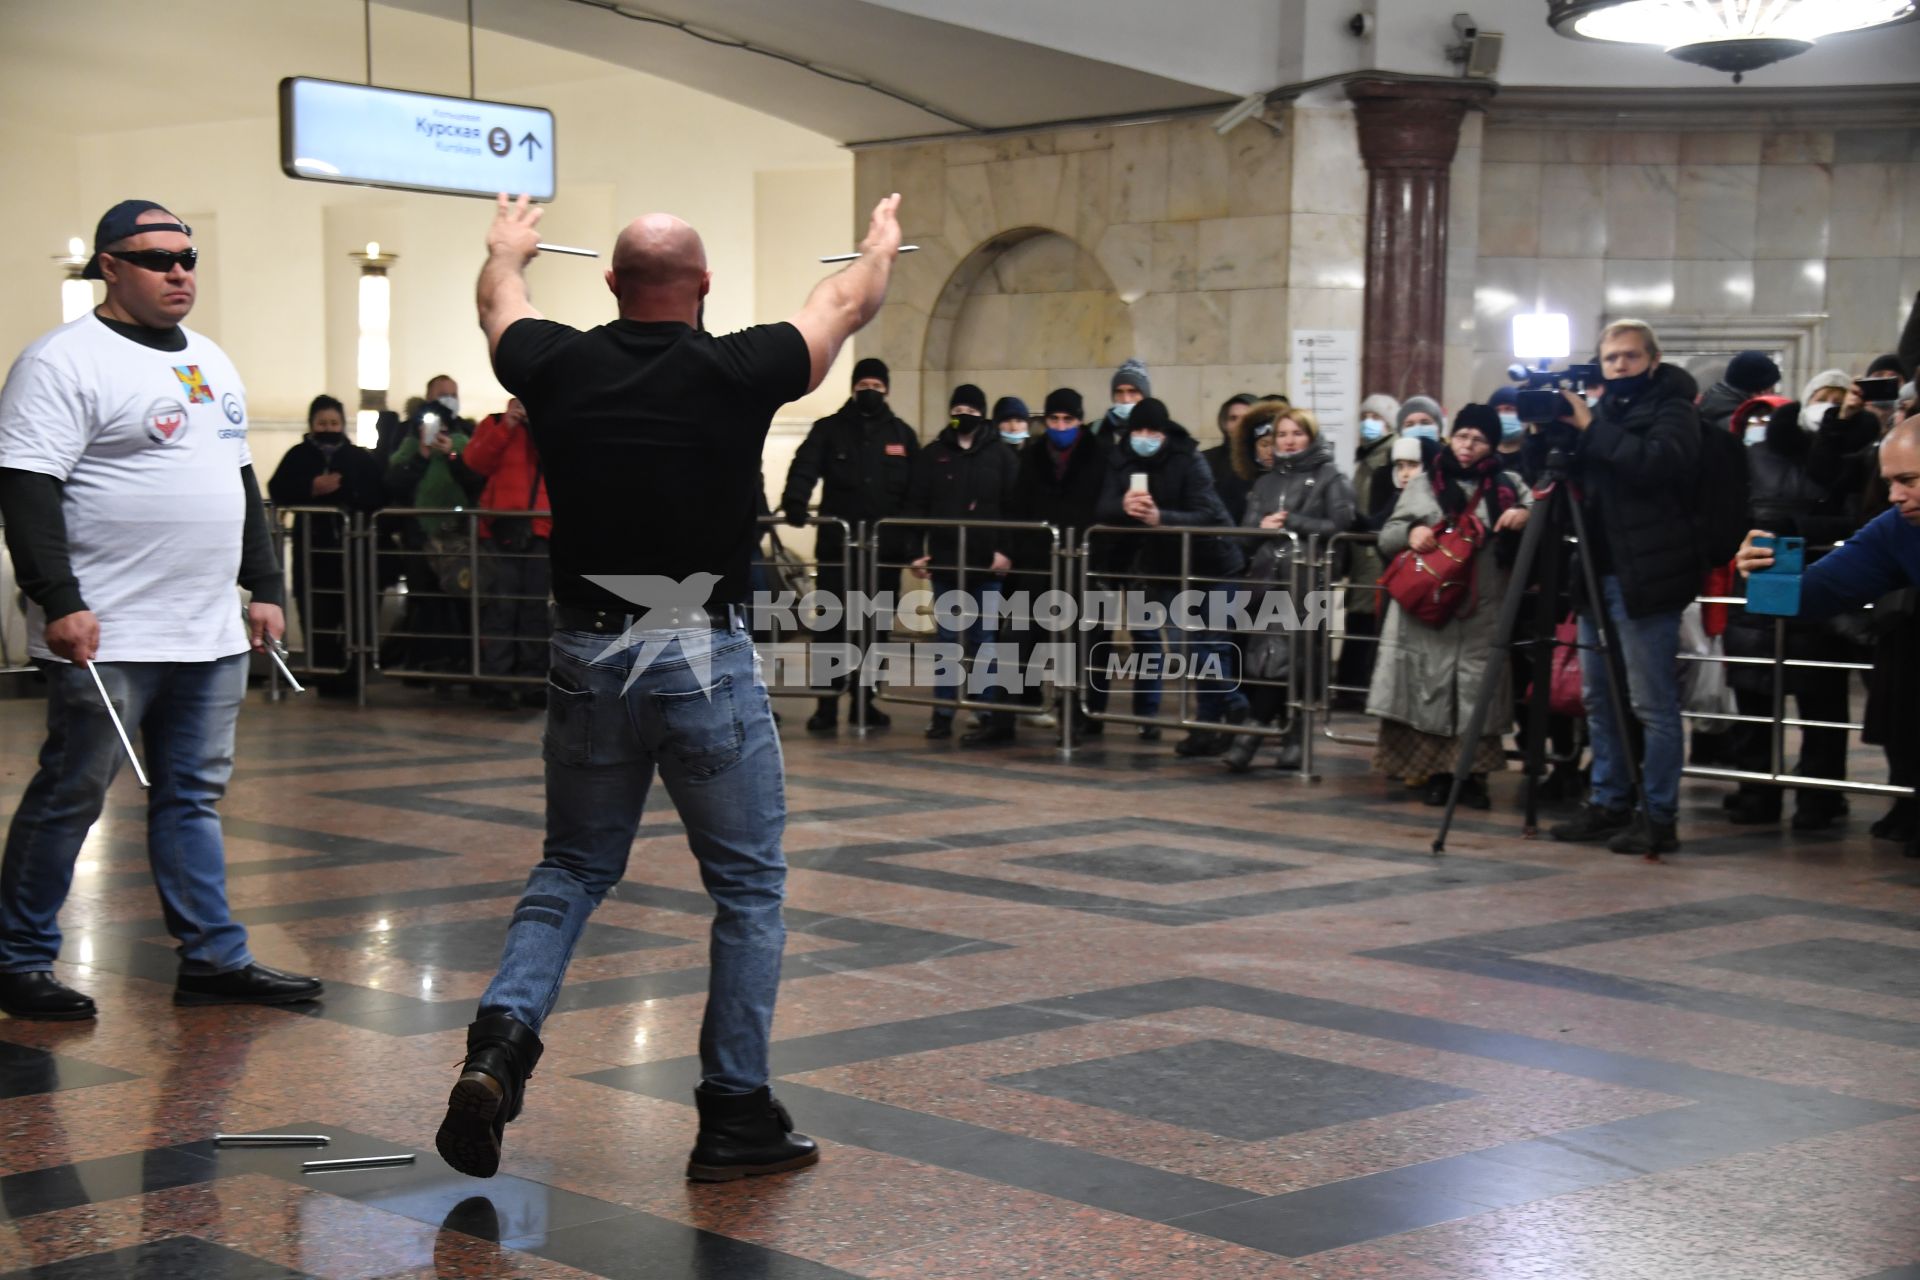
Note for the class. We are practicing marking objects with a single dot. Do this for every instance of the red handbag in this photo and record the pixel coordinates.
(1438, 586)
(1564, 693)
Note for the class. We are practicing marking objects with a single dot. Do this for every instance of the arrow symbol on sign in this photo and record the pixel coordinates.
(529, 142)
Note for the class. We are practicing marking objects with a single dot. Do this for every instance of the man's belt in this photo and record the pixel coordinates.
(727, 617)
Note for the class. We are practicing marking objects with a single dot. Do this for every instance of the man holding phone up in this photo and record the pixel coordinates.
(132, 512)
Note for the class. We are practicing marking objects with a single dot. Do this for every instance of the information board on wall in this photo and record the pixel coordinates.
(1325, 380)
(373, 137)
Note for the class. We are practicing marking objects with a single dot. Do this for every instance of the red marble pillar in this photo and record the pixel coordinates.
(1409, 131)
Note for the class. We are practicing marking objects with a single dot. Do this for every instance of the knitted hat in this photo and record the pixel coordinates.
(1480, 418)
(1889, 363)
(966, 395)
(1420, 404)
(1149, 415)
(872, 367)
(1065, 400)
(1508, 395)
(1007, 408)
(1385, 407)
(1407, 449)
(1824, 379)
(1132, 373)
(1752, 371)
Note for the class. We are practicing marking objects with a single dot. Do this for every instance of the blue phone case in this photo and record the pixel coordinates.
(1775, 590)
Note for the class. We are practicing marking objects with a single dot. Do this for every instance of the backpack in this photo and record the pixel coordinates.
(1721, 516)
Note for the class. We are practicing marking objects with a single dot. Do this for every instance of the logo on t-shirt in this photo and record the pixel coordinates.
(195, 382)
(166, 421)
(230, 405)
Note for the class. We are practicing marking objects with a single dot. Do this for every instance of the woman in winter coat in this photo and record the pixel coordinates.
(1427, 678)
(1297, 487)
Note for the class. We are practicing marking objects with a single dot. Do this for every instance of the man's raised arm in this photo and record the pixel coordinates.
(512, 242)
(844, 302)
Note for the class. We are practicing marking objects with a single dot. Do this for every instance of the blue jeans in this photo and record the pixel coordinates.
(1650, 651)
(1214, 696)
(183, 714)
(978, 641)
(614, 714)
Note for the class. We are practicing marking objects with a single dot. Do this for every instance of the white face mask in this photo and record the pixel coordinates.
(453, 405)
(1815, 416)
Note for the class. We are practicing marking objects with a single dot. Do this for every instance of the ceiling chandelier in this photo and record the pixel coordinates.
(1726, 35)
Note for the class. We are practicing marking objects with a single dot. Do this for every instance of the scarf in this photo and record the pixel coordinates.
(1445, 472)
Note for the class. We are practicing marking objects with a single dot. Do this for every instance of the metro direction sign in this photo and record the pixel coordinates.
(355, 133)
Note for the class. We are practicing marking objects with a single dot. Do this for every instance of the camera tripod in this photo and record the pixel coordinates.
(1554, 510)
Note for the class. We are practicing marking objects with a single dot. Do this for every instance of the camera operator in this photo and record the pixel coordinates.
(1635, 456)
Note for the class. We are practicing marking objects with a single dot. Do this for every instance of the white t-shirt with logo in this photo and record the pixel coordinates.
(150, 445)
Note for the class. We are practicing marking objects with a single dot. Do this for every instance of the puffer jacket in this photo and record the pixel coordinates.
(955, 483)
(1181, 485)
(1363, 565)
(1637, 466)
(1718, 403)
(1316, 497)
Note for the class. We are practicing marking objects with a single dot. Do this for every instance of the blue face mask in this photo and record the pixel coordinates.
(1372, 429)
(1063, 437)
(1756, 433)
(1422, 431)
(1012, 436)
(1510, 426)
(1145, 445)
(1120, 412)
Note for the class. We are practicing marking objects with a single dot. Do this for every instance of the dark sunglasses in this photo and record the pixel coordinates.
(161, 260)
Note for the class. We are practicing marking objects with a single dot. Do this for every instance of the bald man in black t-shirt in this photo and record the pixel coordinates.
(650, 432)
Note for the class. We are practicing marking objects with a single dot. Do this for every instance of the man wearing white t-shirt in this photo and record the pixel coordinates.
(131, 512)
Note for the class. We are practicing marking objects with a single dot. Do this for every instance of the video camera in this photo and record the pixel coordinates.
(1539, 400)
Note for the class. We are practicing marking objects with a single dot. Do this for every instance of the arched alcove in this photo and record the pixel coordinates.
(1026, 311)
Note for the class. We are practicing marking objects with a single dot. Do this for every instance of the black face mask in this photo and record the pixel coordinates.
(327, 441)
(870, 402)
(1628, 388)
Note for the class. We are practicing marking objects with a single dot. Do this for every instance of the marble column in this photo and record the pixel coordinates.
(1409, 130)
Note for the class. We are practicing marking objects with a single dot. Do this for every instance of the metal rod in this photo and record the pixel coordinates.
(567, 248)
(357, 1162)
(277, 652)
(274, 1139)
(472, 82)
(850, 257)
(118, 727)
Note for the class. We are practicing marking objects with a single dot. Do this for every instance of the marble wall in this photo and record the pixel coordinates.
(1735, 227)
(1046, 258)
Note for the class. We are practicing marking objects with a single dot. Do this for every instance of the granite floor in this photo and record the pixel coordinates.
(1127, 1016)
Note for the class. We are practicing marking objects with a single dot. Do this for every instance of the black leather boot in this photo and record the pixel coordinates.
(501, 1053)
(744, 1135)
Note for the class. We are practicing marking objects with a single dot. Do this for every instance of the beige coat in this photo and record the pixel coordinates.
(1428, 677)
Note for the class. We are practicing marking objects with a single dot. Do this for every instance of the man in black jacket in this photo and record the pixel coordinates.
(1226, 481)
(1636, 460)
(862, 457)
(965, 474)
(326, 469)
(1177, 489)
(1058, 482)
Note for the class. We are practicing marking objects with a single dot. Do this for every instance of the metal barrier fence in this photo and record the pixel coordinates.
(778, 569)
(958, 572)
(1094, 568)
(346, 570)
(1780, 665)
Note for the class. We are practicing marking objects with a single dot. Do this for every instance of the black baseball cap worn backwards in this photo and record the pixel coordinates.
(122, 221)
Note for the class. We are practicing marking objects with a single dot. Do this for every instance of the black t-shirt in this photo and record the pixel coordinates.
(650, 436)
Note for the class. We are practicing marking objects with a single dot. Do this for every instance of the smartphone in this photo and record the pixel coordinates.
(1878, 390)
(1137, 482)
(429, 428)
